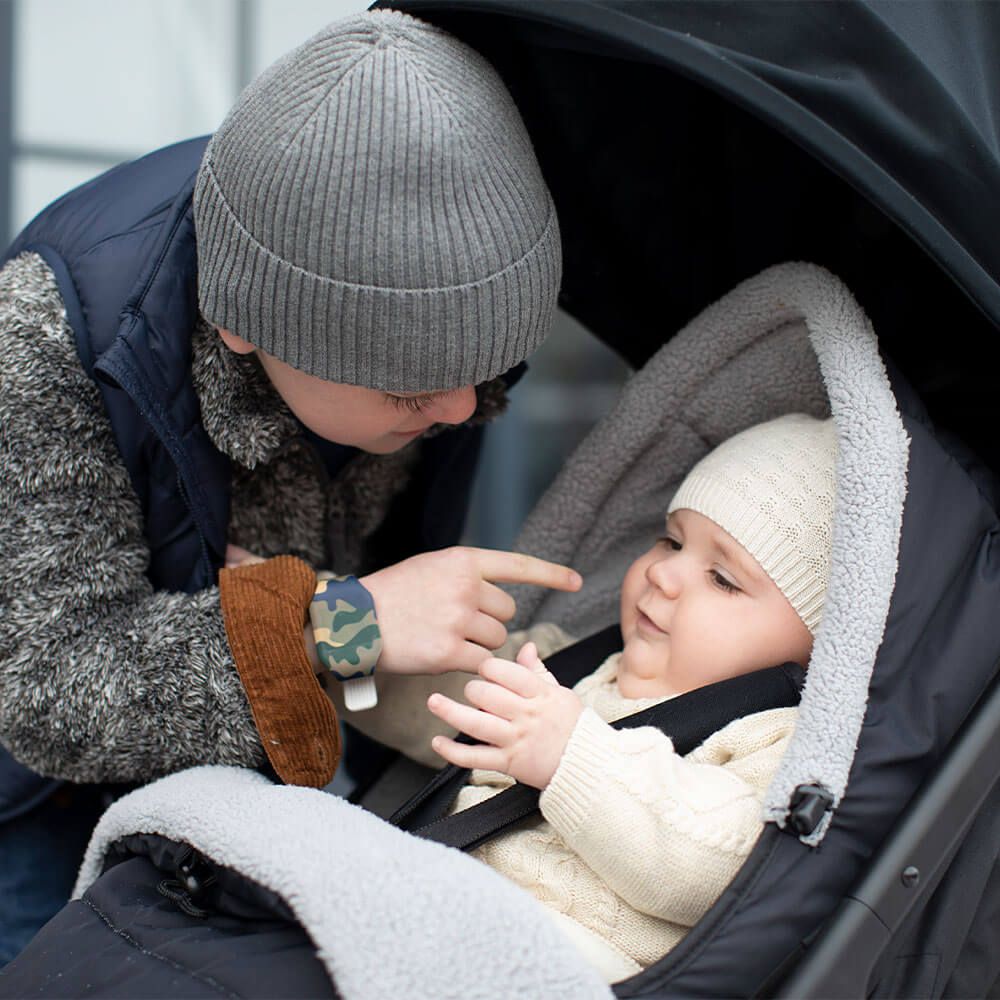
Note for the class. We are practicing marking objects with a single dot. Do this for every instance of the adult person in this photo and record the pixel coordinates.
(250, 346)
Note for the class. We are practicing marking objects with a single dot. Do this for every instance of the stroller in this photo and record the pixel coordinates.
(691, 147)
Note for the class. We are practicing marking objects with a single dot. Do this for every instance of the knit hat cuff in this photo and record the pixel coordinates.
(394, 339)
(775, 552)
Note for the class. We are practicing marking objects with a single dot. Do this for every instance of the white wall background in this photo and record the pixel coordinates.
(113, 79)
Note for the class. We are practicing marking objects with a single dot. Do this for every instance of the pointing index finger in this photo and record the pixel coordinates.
(518, 567)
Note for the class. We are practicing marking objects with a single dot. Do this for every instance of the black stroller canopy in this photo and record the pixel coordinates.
(689, 145)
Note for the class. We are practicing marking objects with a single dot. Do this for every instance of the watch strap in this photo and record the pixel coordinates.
(345, 628)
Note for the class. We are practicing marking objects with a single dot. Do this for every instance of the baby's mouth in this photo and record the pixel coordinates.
(649, 625)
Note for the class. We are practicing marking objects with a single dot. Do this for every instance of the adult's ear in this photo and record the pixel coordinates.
(234, 343)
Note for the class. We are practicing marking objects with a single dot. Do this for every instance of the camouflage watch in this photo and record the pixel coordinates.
(347, 636)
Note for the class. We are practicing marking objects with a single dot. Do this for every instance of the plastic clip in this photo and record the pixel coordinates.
(810, 803)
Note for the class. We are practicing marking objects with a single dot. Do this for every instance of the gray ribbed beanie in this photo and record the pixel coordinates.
(371, 211)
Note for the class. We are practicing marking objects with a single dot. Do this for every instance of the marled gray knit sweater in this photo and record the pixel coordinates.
(101, 678)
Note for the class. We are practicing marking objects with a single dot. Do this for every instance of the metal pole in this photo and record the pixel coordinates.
(246, 23)
(6, 119)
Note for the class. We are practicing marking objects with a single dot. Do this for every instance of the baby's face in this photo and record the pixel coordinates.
(697, 608)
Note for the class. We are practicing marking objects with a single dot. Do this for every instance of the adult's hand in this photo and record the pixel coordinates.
(441, 611)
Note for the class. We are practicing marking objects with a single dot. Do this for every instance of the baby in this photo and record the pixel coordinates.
(635, 842)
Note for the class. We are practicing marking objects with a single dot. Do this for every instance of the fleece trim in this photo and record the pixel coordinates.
(381, 905)
(872, 459)
(791, 339)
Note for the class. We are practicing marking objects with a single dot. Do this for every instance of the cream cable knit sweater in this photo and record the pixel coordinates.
(634, 843)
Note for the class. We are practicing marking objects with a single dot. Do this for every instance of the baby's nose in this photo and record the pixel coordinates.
(666, 575)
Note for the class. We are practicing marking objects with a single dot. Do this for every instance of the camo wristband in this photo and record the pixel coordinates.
(347, 636)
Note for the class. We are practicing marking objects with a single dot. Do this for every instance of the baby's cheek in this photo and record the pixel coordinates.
(732, 648)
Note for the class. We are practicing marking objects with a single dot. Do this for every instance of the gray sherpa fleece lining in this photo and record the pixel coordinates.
(768, 347)
(381, 906)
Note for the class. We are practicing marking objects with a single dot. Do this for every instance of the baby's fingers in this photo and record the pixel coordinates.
(486, 758)
(528, 657)
(516, 677)
(472, 722)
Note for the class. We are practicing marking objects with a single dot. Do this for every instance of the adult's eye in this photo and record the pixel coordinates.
(412, 404)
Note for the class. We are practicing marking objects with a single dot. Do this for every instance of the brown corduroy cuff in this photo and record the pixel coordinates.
(264, 607)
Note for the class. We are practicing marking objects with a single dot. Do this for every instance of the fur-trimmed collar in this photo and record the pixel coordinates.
(241, 412)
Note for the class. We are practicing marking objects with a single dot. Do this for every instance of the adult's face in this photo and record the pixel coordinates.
(369, 419)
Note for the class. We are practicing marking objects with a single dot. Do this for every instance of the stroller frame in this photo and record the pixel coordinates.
(906, 871)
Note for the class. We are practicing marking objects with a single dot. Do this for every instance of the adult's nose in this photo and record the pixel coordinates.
(455, 407)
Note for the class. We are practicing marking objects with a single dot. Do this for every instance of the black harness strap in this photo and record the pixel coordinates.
(688, 720)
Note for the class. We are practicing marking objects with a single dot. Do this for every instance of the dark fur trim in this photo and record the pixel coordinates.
(359, 500)
(283, 502)
(242, 414)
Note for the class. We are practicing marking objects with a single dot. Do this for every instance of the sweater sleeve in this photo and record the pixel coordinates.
(628, 805)
(101, 679)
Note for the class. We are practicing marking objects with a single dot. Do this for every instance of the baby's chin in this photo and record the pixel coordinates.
(642, 672)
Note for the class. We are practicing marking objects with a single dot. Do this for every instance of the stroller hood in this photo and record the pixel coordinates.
(690, 145)
(789, 339)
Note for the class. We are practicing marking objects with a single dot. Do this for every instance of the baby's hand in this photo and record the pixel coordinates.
(522, 714)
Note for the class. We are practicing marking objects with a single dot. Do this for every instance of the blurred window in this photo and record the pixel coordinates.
(90, 84)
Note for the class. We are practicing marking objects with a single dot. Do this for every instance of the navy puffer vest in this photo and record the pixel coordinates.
(122, 249)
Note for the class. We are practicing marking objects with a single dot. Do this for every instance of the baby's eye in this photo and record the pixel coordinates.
(670, 543)
(415, 404)
(722, 583)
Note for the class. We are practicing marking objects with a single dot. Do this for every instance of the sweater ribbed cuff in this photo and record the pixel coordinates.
(569, 799)
(264, 607)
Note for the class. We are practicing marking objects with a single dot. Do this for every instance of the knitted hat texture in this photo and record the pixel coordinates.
(371, 211)
(772, 488)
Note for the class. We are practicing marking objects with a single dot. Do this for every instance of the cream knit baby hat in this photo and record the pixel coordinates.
(772, 488)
